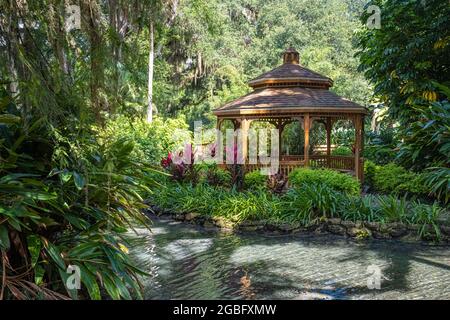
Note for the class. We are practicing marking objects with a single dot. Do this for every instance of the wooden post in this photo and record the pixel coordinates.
(219, 140)
(280, 127)
(244, 126)
(306, 124)
(328, 125)
(362, 150)
(358, 134)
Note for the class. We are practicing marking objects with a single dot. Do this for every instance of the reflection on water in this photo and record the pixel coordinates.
(186, 262)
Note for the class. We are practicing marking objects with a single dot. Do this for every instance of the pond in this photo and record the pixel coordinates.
(188, 262)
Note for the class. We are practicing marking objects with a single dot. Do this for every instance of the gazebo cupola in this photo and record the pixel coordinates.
(292, 93)
(291, 74)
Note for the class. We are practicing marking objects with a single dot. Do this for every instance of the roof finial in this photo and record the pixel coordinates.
(291, 55)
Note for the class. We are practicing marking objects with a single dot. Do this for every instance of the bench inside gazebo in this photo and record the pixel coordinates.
(292, 93)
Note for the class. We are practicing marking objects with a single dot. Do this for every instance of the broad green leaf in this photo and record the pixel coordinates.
(79, 180)
(91, 284)
(55, 254)
(37, 124)
(115, 259)
(110, 287)
(34, 247)
(85, 250)
(15, 176)
(77, 221)
(4, 237)
(123, 290)
(73, 293)
(39, 272)
(133, 284)
(15, 223)
(29, 193)
(65, 175)
(9, 119)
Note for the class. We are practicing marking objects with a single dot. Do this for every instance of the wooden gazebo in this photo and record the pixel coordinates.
(292, 93)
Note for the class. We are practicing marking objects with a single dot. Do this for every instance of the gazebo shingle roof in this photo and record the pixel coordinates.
(288, 100)
(289, 88)
(291, 72)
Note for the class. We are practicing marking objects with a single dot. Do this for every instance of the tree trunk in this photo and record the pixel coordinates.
(57, 37)
(150, 75)
(10, 34)
(114, 25)
(90, 10)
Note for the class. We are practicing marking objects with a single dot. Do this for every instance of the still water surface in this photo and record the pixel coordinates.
(187, 262)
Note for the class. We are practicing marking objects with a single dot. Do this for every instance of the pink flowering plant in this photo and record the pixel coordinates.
(181, 165)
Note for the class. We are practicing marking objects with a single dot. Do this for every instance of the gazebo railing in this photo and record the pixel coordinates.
(323, 161)
(291, 162)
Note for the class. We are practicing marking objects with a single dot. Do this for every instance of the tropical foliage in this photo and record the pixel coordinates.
(406, 61)
(65, 206)
(407, 55)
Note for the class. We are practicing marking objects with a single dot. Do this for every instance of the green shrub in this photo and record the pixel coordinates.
(200, 199)
(214, 176)
(153, 140)
(369, 172)
(342, 151)
(333, 179)
(240, 206)
(392, 178)
(254, 180)
(184, 198)
(380, 147)
(243, 206)
(414, 185)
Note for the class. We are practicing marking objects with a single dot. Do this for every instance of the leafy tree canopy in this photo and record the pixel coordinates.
(407, 54)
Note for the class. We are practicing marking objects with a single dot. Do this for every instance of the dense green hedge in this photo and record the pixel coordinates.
(255, 180)
(333, 179)
(392, 178)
